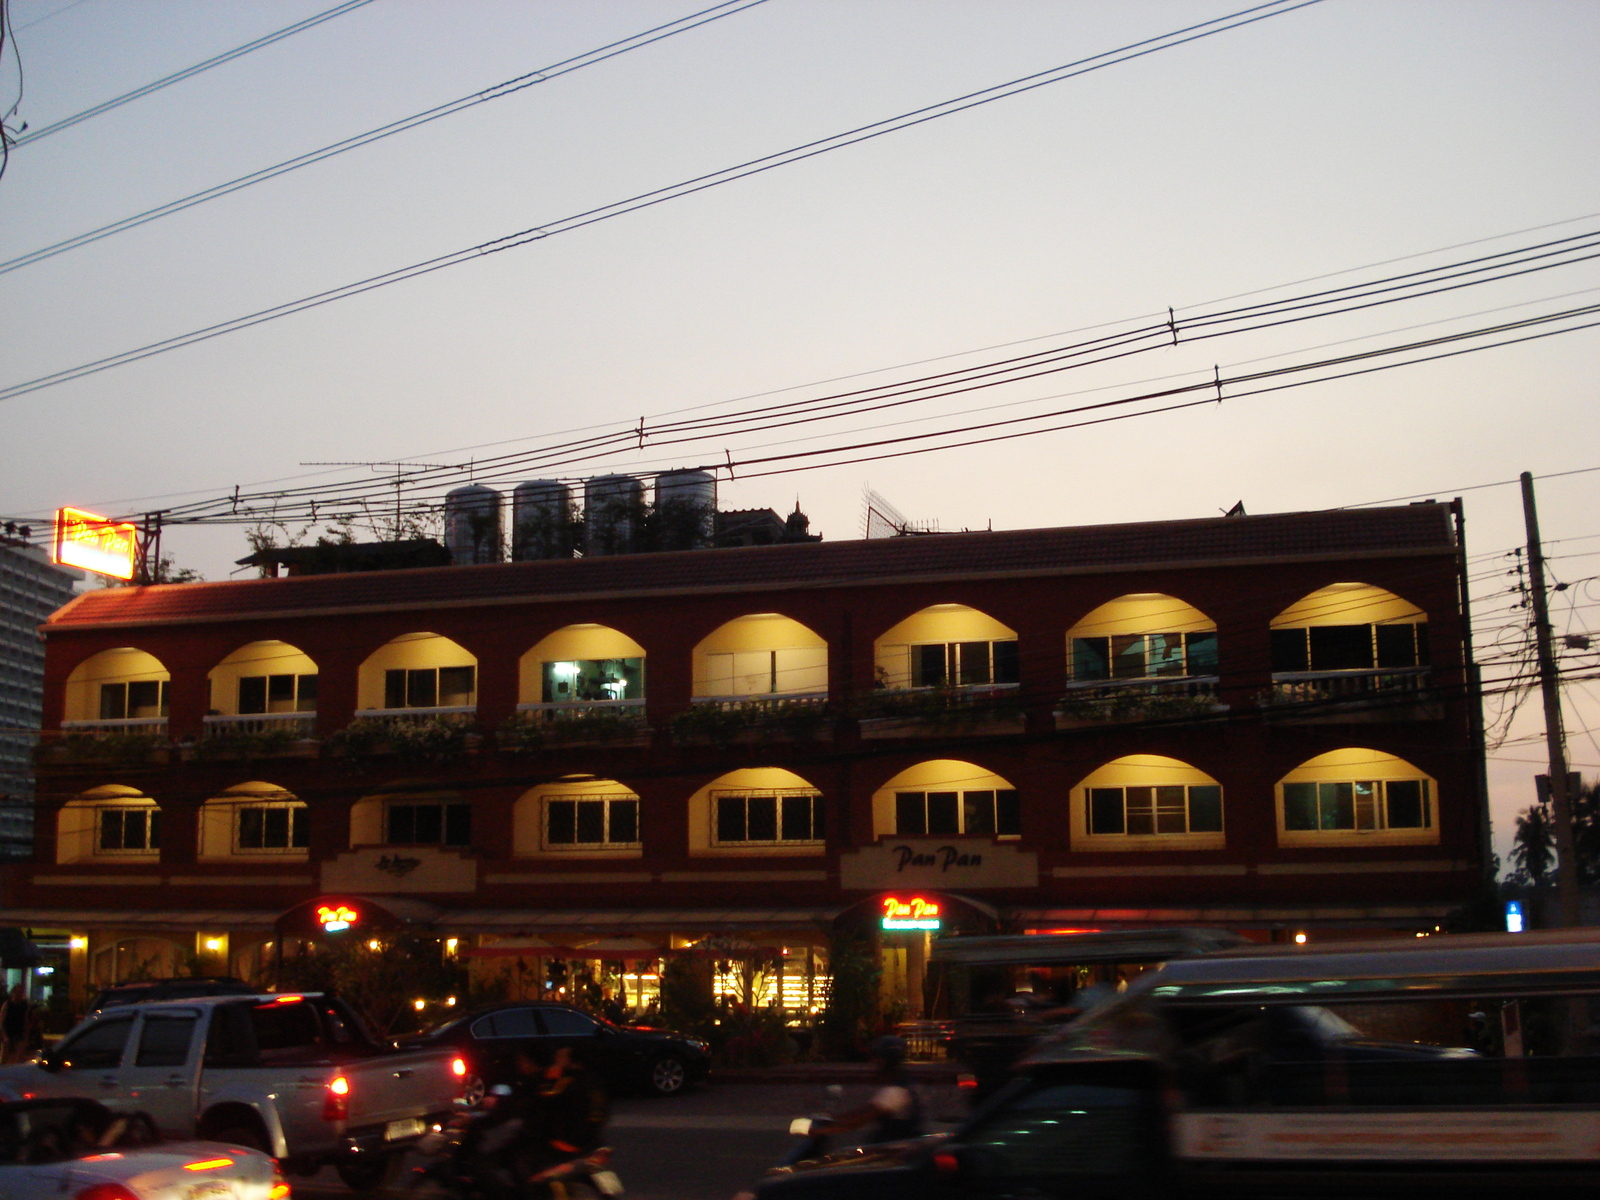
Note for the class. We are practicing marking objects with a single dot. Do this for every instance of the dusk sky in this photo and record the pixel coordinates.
(1321, 146)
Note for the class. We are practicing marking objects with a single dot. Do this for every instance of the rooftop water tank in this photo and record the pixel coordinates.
(472, 524)
(541, 520)
(612, 505)
(686, 509)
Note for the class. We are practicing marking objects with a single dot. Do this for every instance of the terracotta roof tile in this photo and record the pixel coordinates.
(1354, 533)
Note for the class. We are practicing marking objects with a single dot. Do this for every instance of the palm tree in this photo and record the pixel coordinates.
(1533, 854)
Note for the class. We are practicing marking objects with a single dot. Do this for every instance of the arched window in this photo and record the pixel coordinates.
(580, 817)
(1357, 795)
(113, 822)
(1147, 802)
(123, 689)
(1348, 639)
(263, 686)
(945, 797)
(419, 675)
(947, 645)
(760, 655)
(580, 668)
(757, 810)
(1142, 636)
(255, 820)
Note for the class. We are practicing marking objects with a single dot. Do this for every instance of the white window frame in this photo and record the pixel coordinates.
(1377, 807)
(293, 806)
(577, 847)
(961, 795)
(1155, 811)
(954, 662)
(148, 810)
(818, 816)
(299, 705)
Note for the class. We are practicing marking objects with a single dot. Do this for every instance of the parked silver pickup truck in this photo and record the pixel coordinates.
(294, 1075)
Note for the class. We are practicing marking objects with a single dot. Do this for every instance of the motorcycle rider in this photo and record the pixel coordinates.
(572, 1110)
(894, 1110)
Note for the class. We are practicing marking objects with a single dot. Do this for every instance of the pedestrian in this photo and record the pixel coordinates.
(18, 1026)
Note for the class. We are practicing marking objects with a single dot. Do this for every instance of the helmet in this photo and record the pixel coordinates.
(889, 1048)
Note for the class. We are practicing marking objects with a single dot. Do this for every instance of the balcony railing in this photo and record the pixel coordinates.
(576, 710)
(458, 714)
(1096, 701)
(294, 724)
(979, 708)
(766, 699)
(149, 726)
(1310, 687)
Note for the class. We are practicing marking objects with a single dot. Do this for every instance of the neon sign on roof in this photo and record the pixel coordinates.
(913, 912)
(95, 543)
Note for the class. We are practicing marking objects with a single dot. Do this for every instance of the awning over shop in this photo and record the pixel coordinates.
(1281, 916)
(576, 921)
(626, 948)
(184, 921)
(16, 951)
(1081, 949)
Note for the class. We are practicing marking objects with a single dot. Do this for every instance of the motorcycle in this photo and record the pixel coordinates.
(811, 1145)
(472, 1158)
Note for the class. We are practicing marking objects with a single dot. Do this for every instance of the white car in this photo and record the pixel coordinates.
(66, 1149)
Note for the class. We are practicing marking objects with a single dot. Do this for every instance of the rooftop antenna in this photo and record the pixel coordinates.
(880, 519)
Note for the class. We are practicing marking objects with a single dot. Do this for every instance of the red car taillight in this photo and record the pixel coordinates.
(106, 1191)
(336, 1104)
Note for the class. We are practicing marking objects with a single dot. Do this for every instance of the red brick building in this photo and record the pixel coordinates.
(1262, 722)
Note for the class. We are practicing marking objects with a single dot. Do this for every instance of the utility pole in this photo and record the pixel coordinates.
(1550, 685)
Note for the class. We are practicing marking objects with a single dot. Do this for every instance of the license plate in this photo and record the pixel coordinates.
(410, 1127)
(607, 1183)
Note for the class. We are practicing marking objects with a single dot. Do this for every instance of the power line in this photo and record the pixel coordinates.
(679, 190)
(52, 16)
(498, 91)
(188, 72)
(8, 36)
(125, 502)
(570, 453)
(298, 503)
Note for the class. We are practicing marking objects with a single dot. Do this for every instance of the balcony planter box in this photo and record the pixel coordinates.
(759, 723)
(579, 737)
(422, 742)
(1370, 711)
(1095, 708)
(527, 733)
(874, 728)
(116, 749)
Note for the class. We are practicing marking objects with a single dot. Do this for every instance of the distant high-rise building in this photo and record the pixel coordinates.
(31, 588)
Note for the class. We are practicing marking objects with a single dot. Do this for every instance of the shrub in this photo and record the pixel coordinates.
(121, 748)
(236, 743)
(849, 1019)
(431, 741)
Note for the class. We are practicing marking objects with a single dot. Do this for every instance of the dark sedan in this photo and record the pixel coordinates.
(626, 1057)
